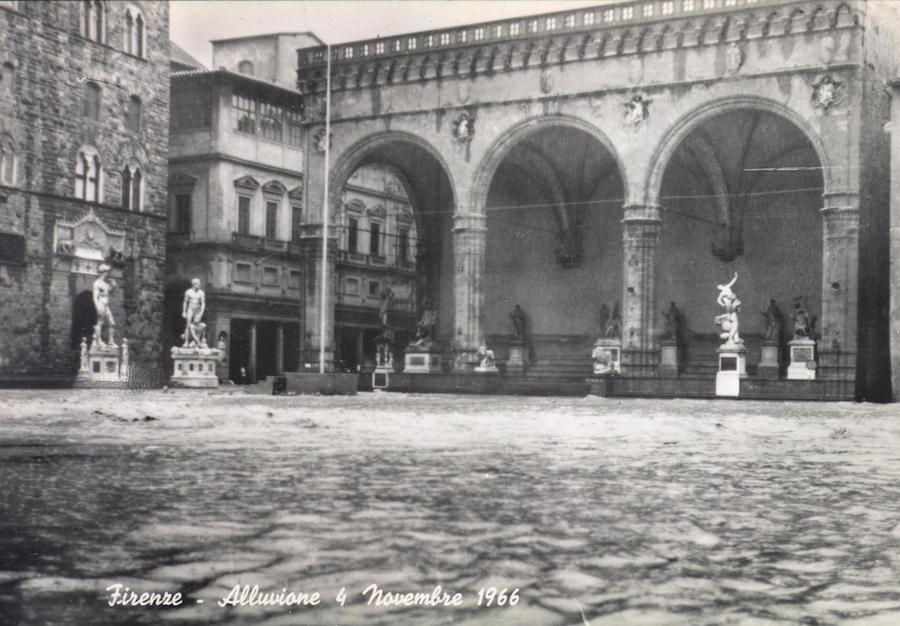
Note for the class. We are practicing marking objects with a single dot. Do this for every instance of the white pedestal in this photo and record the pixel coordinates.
(103, 365)
(416, 362)
(803, 360)
(732, 368)
(195, 367)
(768, 363)
(384, 364)
(607, 356)
(489, 368)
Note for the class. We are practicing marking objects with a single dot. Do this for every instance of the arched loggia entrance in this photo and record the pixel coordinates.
(741, 191)
(392, 211)
(553, 208)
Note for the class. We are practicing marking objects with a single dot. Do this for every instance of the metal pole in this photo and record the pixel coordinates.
(325, 216)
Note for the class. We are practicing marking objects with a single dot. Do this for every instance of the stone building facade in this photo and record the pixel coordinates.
(632, 155)
(84, 105)
(236, 221)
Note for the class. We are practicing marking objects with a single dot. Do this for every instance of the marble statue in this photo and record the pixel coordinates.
(773, 321)
(427, 324)
(487, 356)
(613, 326)
(387, 300)
(728, 322)
(192, 311)
(84, 354)
(804, 321)
(519, 323)
(103, 286)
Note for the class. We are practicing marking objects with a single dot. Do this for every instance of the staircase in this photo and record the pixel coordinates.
(559, 359)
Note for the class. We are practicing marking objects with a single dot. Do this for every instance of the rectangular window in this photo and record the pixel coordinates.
(375, 239)
(570, 21)
(243, 215)
(374, 288)
(687, 5)
(479, 33)
(351, 286)
(379, 47)
(589, 18)
(608, 16)
(462, 36)
(445, 39)
(627, 13)
(272, 220)
(270, 117)
(514, 29)
(12, 249)
(429, 41)
(411, 43)
(182, 222)
(498, 31)
(395, 46)
(296, 222)
(245, 112)
(668, 7)
(403, 245)
(352, 235)
(551, 23)
(532, 26)
(709, 4)
(270, 275)
(648, 10)
(295, 279)
(293, 120)
(243, 273)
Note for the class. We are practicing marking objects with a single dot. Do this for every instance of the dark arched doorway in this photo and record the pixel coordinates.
(84, 318)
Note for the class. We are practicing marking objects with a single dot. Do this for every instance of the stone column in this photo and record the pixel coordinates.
(640, 239)
(311, 302)
(840, 269)
(279, 349)
(469, 238)
(251, 369)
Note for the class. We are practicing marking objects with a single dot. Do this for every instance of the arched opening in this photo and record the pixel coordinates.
(554, 243)
(741, 192)
(393, 218)
(84, 317)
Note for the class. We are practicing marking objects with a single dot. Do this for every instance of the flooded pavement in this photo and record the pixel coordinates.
(596, 511)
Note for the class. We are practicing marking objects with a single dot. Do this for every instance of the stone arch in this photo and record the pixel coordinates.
(355, 155)
(674, 136)
(495, 154)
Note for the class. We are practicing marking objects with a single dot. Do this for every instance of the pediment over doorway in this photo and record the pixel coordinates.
(87, 242)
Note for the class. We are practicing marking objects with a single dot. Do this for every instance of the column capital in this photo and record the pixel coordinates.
(469, 222)
(641, 214)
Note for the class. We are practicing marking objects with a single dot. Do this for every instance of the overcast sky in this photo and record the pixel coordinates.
(193, 23)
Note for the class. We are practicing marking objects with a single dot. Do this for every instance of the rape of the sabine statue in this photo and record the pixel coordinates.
(103, 286)
(195, 362)
(728, 321)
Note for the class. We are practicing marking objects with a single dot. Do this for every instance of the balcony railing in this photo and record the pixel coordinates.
(633, 12)
(369, 260)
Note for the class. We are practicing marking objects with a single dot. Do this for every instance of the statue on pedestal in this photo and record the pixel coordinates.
(384, 309)
(192, 311)
(804, 321)
(486, 355)
(519, 324)
(103, 286)
(728, 321)
(674, 323)
(773, 321)
(612, 328)
(426, 325)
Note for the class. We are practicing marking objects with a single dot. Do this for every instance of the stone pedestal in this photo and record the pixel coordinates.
(668, 361)
(384, 363)
(518, 358)
(768, 364)
(103, 365)
(607, 356)
(422, 360)
(732, 368)
(486, 369)
(803, 360)
(195, 367)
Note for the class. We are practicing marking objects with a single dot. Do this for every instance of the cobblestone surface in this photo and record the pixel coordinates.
(598, 511)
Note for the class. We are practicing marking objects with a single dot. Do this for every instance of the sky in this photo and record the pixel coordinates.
(193, 23)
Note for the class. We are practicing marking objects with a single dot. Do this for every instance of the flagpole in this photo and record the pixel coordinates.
(325, 216)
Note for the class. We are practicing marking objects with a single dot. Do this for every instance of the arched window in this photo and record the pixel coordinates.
(7, 76)
(133, 114)
(7, 160)
(93, 20)
(88, 175)
(132, 187)
(245, 67)
(92, 100)
(133, 33)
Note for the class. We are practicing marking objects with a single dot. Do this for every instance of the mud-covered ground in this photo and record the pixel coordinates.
(597, 511)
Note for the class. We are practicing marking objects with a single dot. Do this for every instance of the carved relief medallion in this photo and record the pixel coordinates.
(827, 93)
(546, 80)
(637, 110)
(463, 128)
(734, 59)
